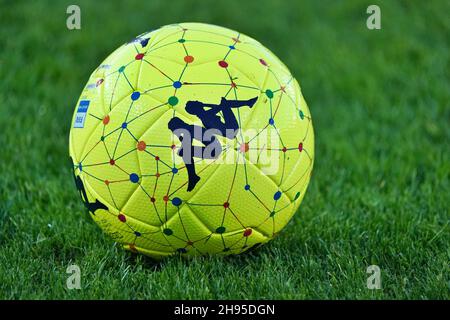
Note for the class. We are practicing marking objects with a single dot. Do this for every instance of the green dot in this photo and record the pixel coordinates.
(121, 68)
(102, 138)
(182, 41)
(220, 229)
(297, 195)
(168, 232)
(269, 93)
(226, 249)
(172, 100)
(272, 213)
(301, 114)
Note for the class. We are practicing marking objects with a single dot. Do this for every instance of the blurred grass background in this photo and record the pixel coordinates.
(380, 188)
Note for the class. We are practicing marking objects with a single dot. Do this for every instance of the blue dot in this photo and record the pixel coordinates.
(124, 125)
(247, 187)
(271, 121)
(174, 170)
(134, 178)
(177, 84)
(176, 201)
(277, 195)
(135, 95)
(232, 47)
(80, 167)
(181, 250)
(137, 233)
(144, 42)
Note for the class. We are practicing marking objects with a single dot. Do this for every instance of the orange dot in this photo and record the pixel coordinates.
(248, 232)
(106, 120)
(132, 247)
(188, 59)
(166, 198)
(141, 145)
(244, 147)
(107, 182)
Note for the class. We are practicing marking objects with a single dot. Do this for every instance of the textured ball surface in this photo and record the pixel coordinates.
(130, 165)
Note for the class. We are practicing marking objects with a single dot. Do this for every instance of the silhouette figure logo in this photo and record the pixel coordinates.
(212, 126)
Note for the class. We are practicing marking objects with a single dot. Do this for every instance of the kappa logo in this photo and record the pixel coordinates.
(212, 126)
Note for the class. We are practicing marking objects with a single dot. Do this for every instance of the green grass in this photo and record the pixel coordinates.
(381, 183)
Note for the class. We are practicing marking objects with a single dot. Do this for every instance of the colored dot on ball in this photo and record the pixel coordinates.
(177, 84)
(190, 243)
(220, 229)
(124, 125)
(134, 178)
(271, 121)
(135, 95)
(232, 47)
(157, 158)
(107, 182)
(106, 120)
(226, 249)
(284, 149)
(181, 250)
(152, 199)
(139, 56)
(137, 233)
(272, 213)
(166, 198)
(247, 187)
(188, 59)
(168, 232)
(99, 82)
(80, 167)
(122, 217)
(141, 145)
(297, 195)
(226, 205)
(144, 42)
(301, 114)
(122, 68)
(223, 64)
(172, 100)
(132, 247)
(248, 232)
(263, 62)
(300, 147)
(181, 40)
(269, 93)
(157, 175)
(244, 147)
(112, 162)
(102, 138)
(176, 201)
(277, 195)
(174, 170)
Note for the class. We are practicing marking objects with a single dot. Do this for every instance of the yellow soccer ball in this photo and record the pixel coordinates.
(191, 139)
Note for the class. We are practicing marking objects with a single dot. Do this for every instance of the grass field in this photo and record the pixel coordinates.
(379, 195)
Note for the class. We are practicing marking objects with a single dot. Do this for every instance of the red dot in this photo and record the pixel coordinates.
(233, 85)
(141, 145)
(122, 218)
(244, 147)
(188, 59)
(106, 120)
(300, 147)
(284, 149)
(223, 64)
(152, 199)
(166, 198)
(107, 182)
(173, 147)
(139, 56)
(99, 82)
(157, 175)
(263, 62)
(157, 158)
(226, 204)
(247, 232)
(112, 162)
(189, 243)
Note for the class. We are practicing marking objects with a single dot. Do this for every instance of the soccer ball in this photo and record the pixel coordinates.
(191, 139)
